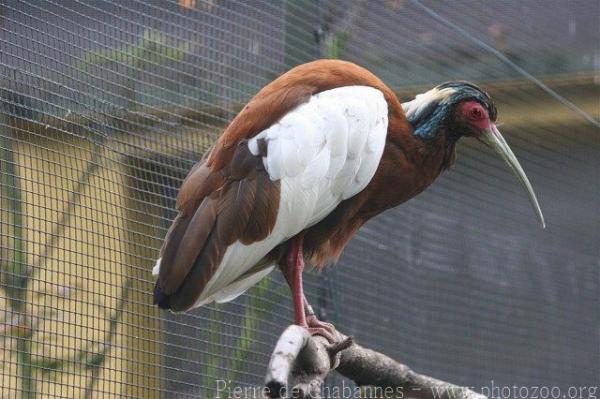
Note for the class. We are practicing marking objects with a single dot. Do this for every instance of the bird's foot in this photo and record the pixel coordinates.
(324, 329)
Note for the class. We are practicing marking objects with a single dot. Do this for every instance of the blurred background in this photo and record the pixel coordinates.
(105, 105)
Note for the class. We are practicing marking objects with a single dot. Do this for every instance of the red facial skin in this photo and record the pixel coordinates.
(475, 115)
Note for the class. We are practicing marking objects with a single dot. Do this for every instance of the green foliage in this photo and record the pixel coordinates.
(338, 45)
(257, 308)
(255, 311)
(48, 365)
(97, 360)
(15, 271)
(151, 48)
(300, 43)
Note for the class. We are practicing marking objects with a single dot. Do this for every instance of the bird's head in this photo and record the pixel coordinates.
(461, 109)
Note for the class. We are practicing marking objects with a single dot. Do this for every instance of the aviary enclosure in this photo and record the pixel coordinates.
(105, 106)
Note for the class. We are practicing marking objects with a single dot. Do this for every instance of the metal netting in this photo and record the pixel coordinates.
(105, 106)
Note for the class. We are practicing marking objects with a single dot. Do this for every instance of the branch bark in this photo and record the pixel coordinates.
(303, 362)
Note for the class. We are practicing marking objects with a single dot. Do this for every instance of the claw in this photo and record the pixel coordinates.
(331, 338)
(324, 329)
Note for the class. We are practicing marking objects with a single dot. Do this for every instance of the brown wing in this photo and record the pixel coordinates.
(216, 209)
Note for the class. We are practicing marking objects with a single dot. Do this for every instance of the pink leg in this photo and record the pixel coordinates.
(295, 262)
(293, 275)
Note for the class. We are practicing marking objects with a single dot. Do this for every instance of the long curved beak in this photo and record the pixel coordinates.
(493, 139)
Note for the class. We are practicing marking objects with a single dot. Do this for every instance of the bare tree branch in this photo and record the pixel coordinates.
(302, 362)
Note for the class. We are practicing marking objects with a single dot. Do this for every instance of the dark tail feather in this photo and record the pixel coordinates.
(202, 270)
(169, 250)
(167, 253)
(183, 245)
(163, 301)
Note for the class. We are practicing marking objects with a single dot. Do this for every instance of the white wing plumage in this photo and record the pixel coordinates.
(323, 152)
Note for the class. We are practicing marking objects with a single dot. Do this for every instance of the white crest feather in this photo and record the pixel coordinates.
(413, 108)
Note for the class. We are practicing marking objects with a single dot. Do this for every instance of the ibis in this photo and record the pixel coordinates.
(313, 155)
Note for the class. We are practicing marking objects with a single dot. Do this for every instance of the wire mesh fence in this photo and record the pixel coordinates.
(107, 104)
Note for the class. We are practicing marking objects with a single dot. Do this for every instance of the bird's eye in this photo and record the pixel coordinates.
(476, 114)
